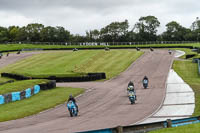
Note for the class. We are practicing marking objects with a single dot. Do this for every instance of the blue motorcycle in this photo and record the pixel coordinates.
(72, 108)
(145, 83)
(132, 97)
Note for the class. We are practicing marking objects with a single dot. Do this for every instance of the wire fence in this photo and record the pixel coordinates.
(106, 43)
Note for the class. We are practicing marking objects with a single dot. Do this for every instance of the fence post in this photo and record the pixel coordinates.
(169, 123)
(119, 129)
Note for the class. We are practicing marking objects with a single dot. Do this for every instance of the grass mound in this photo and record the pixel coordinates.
(68, 63)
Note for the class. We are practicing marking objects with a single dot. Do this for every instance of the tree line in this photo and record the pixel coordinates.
(144, 30)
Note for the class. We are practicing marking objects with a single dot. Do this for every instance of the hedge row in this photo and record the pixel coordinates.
(88, 77)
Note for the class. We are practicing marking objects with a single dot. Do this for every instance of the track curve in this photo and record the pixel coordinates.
(105, 104)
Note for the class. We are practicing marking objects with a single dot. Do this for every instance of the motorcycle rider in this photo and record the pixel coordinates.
(71, 98)
(130, 84)
(145, 78)
(131, 88)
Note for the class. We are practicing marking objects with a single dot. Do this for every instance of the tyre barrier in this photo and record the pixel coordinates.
(20, 95)
(143, 128)
(16, 96)
(15, 76)
(189, 56)
(9, 81)
(88, 77)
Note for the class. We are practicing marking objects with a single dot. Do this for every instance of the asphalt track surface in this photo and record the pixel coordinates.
(104, 104)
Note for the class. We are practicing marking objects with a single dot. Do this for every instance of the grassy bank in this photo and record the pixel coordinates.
(67, 63)
(35, 104)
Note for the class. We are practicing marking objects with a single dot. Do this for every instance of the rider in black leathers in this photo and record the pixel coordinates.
(145, 77)
(130, 84)
(71, 98)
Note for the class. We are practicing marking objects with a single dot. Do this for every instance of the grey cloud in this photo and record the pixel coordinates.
(81, 15)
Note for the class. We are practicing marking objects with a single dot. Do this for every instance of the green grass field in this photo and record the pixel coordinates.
(67, 63)
(37, 103)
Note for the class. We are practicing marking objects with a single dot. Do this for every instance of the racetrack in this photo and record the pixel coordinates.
(105, 104)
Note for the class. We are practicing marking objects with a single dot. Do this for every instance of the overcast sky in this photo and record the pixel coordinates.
(77, 16)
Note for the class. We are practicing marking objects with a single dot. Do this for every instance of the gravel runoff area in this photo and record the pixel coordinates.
(105, 104)
(179, 101)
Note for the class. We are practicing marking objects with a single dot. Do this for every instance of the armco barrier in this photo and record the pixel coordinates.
(143, 128)
(195, 60)
(99, 131)
(88, 77)
(199, 66)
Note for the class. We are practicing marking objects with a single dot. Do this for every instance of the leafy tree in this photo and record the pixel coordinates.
(3, 34)
(195, 27)
(114, 31)
(13, 31)
(33, 31)
(146, 28)
(176, 32)
(93, 35)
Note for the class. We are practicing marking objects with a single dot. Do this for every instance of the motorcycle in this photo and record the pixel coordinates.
(72, 108)
(145, 83)
(132, 97)
(170, 52)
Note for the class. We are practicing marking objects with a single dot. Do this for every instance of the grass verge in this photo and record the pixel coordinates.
(193, 128)
(35, 104)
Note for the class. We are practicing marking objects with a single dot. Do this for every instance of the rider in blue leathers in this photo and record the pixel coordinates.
(71, 98)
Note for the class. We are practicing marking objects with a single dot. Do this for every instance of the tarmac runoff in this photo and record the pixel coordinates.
(179, 101)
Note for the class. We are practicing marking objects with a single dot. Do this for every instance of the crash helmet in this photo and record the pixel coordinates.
(131, 87)
(70, 96)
